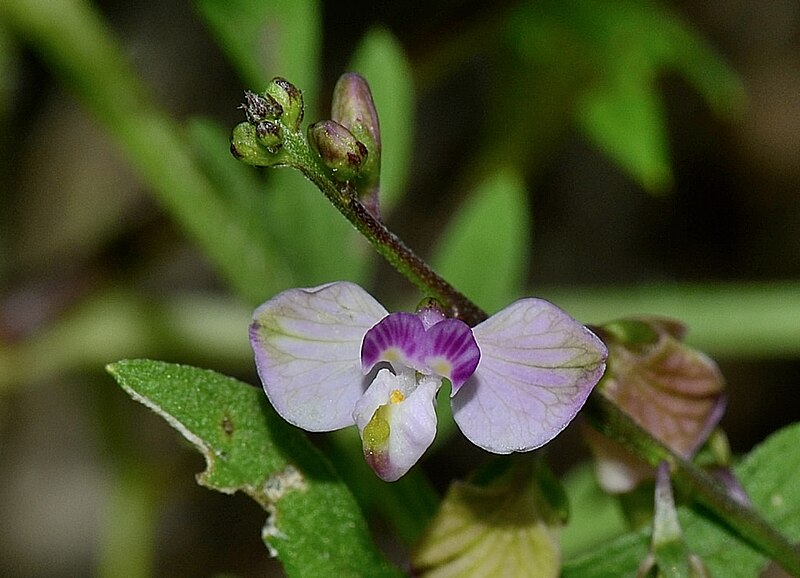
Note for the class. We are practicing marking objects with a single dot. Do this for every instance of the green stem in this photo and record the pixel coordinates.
(704, 490)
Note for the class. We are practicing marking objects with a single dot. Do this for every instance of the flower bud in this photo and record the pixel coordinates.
(339, 149)
(354, 108)
(254, 144)
(290, 100)
(268, 134)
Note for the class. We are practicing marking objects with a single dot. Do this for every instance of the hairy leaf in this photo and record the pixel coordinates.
(768, 474)
(314, 525)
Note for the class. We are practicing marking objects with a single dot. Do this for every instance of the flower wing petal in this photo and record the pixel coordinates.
(537, 367)
(307, 344)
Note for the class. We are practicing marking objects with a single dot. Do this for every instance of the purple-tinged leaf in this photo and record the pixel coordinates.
(671, 390)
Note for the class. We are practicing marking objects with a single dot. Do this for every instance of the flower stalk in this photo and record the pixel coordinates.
(295, 151)
(394, 250)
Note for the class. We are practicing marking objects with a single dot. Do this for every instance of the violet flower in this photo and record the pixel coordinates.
(331, 357)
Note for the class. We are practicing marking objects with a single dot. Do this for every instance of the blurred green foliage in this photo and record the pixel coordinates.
(558, 66)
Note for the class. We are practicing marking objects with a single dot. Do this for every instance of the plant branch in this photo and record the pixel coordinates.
(294, 151)
(397, 253)
(705, 491)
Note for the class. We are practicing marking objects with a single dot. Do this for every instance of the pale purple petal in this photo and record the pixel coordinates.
(537, 367)
(451, 351)
(307, 344)
(398, 338)
(407, 412)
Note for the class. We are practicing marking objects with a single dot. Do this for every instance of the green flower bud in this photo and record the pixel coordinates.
(338, 148)
(254, 144)
(290, 100)
(268, 134)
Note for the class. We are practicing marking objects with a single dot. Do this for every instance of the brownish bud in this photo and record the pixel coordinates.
(341, 152)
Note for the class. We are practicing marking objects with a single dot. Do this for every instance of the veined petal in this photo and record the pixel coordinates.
(398, 338)
(307, 344)
(537, 367)
(396, 418)
(451, 351)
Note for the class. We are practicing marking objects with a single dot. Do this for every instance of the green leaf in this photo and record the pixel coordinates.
(318, 243)
(314, 525)
(245, 196)
(267, 39)
(503, 527)
(595, 516)
(616, 52)
(768, 474)
(623, 112)
(488, 268)
(625, 118)
(381, 60)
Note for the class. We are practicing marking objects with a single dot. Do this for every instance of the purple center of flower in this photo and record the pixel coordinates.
(443, 347)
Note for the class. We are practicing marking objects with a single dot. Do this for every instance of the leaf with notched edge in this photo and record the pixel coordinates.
(315, 526)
